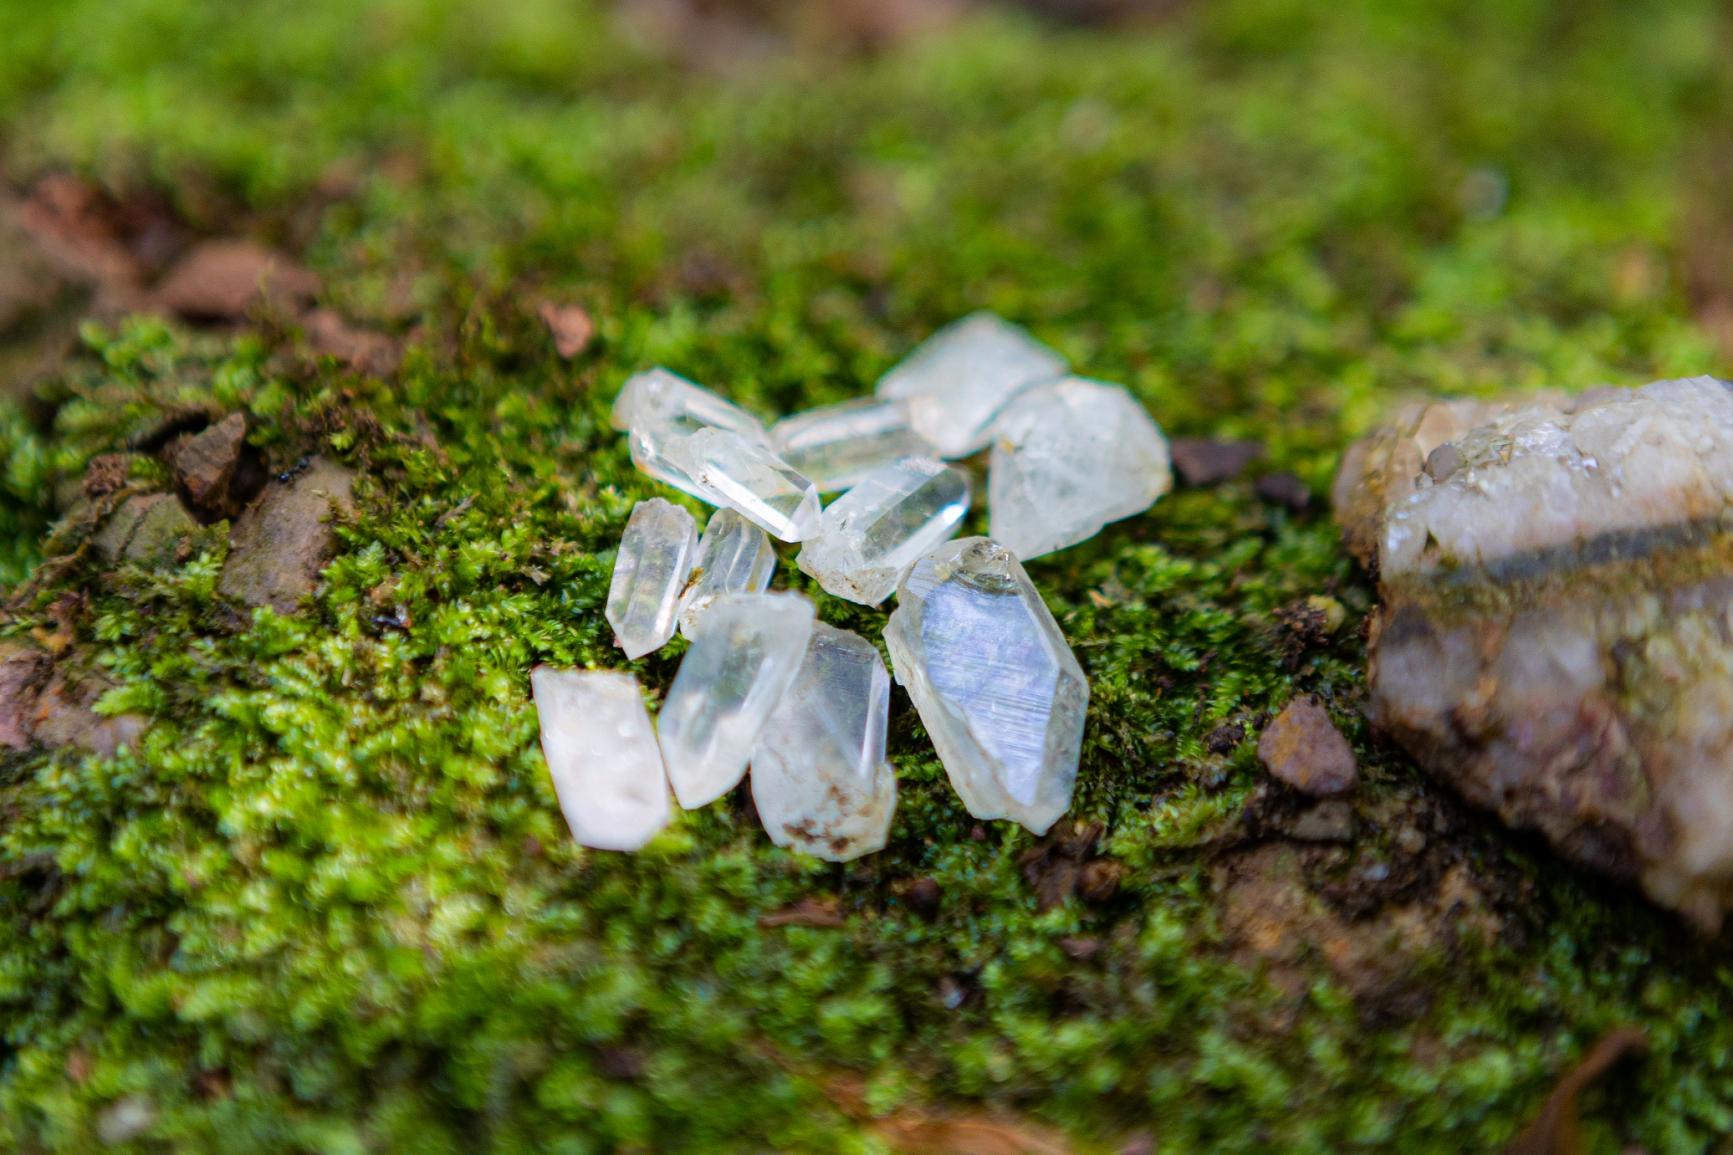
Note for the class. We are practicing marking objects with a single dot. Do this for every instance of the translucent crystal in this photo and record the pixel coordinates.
(650, 574)
(876, 530)
(743, 475)
(661, 409)
(1069, 456)
(819, 776)
(734, 557)
(997, 687)
(959, 378)
(838, 445)
(746, 650)
(603, 756)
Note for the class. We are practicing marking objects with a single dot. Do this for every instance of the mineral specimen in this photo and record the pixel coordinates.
(661, 410)
(650, 574)
(743, 475)
(819, 776)
(1070, 456)
(734, 557)
(998, 689)
(956, 382)
(746, 650)
(1557, 581)
(876, 530)
(603, 757)
(838, 445)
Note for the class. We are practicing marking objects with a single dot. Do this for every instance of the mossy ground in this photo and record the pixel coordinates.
(329, 904)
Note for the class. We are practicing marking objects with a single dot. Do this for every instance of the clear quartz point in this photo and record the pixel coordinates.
(746, 650)
(838, 445)
(602, 755)
(734, 557)
(957, 380)
(661, 410)
(875, 531)
(1069, 456)
(997, 688)
(733, 471)
(650, 575)
(819, 776)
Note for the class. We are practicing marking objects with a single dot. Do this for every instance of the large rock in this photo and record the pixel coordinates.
(280, 545)
(1554, 640)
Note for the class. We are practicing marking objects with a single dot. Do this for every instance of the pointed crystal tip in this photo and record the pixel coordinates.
(602, 755)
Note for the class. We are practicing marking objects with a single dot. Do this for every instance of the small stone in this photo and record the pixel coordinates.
(204, 462)
(569, 325)
(839, 445)
(1330, 821)
(1069, 457)
(280, 546)
(1099, 881)
(1202, 461)
(603, 756)
(746, 650)
(1284, 489)
(1303, 748)
(22, 672)
(734, 471)
(924, 895)
(146, 529)
(959, 378)
(999, 691)
(222, 280)
(819, 776)
(651, 570)
(660, 410)
(870, 535)
(734, 557)
(65, 714)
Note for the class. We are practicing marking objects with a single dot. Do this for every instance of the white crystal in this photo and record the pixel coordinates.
(819, 776)
(746, 650)
(1069, 456)
(734, 557)
(733, 471)
(650, 574)
(838, 445)
(876, 530)
(602, 754)
(662, 409)
(997, 688)
(959, 378)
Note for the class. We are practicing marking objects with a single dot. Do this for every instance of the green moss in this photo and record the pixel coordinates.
(329, 903)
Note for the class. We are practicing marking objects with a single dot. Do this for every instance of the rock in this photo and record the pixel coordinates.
(820, 781)
(734, 557)
(1070, 456)
(659, 409)
(64, 714)
(1552, 640)
(602, 754)
(363, 350)
(999, 691)
(651, 570)
(1303, 748)
(735, 471)
(1201, 461)
(1331, 821)
(958, 380)
(280, 545)
(838, 446)
(569, 325)
(204, 462)
(224, 280)
(1283, 489)
(127, 1118)
(107, 473)
(746, 651)
(146, 529)
(22, 672)
(870, 535)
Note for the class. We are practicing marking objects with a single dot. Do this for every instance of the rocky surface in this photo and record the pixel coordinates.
(280, 544)
(204, 463)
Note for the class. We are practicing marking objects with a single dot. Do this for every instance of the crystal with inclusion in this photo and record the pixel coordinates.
(650, 573)
(734, 557)
(996, 686)
(958, 379)
(743, 475)
(876, 530)
(602, 754)
(1069, 456)
(746, 650)
(838, 445)
(819, 776)
(662, 409)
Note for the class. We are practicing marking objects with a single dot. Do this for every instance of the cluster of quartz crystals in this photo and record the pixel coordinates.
(804, 704)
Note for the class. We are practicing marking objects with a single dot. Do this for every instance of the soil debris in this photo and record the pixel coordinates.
(569, 325)
(1303, 748)
(817, 912)
(22, 672)
(225, 280)
(1284, 489)
(1203, 461)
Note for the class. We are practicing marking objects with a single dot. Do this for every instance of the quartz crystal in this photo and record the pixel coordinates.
(741, 474)
(956, 382)
(734, 557)
(1069, 456)
(603, 757)
(661, 410)
(746, 650)
(819, 776)
(998, 689)
(876, 530)
(650, 574)
(838, 445)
